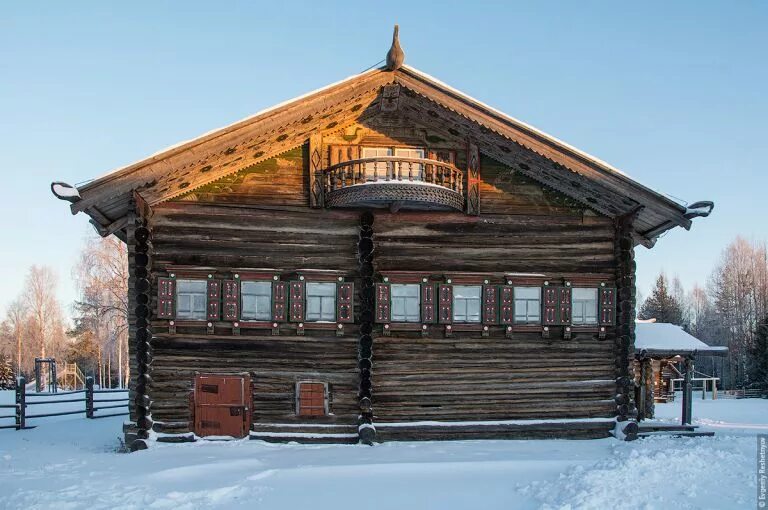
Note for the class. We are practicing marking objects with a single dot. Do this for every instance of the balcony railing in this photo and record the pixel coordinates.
(393, 179)
(393, 169)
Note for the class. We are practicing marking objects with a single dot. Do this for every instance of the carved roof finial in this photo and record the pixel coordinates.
(395, 56)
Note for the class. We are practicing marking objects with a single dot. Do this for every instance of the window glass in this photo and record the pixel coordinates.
(191, 299)
(256, 300)
(406, 302)
(466, 303)
(321, 302)
(376, 170)
(584, 306)
(416, 169)
(527, 305)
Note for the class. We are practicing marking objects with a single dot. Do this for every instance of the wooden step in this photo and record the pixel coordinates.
(671, 433)
(305, 438)
(663, 427)
(469, 430)
(307, 428)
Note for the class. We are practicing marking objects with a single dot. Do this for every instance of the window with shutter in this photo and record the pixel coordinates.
(382, 303)
(231, 300)
(296, 290)
(607, 306)
(166, 294)
(256, 300)
(191, 299)
(311, 399)
(345, 298)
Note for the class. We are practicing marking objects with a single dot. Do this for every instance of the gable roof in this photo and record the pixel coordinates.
(194, 163)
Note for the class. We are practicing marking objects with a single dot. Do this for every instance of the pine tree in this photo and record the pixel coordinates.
(662, 305)
(7, 379)
(759, 358)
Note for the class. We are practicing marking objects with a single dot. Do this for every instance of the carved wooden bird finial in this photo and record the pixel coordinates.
(395, 56)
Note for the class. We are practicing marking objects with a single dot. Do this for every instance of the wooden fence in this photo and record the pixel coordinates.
(91, 405)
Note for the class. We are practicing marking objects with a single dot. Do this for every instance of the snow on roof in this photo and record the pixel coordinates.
(662, 336)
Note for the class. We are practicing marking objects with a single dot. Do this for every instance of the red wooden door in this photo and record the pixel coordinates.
(222, 405)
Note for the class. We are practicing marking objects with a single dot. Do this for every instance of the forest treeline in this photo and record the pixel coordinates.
(730, 309)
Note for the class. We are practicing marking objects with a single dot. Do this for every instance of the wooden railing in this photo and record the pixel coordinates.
(394, 169)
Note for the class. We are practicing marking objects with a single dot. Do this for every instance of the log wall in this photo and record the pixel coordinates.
(521, 228)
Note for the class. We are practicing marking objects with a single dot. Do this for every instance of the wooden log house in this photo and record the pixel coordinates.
(385, 258)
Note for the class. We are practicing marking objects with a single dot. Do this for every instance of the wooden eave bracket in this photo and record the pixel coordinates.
(112, 228)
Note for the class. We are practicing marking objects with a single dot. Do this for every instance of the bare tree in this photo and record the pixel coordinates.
(102, 279)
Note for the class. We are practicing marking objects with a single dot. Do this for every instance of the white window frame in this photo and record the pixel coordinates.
(244, 313)
(465, 318)
(528, 303)
(191, 312)
(410, 303)
(580, 307)
(324, 302)
(382, 168)
(412, 152)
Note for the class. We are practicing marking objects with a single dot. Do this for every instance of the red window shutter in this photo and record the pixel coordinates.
(311, 399)
(565, 305)
(550, 302)
(296, 313)
(214, 299)
(383, 314)
(166, 298)
(345, 295)
(279, 301)
(231, 300)
(445, 304)
(490, 304)
(507, 297)
(427, 303)
(607, 300)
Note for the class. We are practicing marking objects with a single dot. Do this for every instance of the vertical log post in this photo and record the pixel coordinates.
(687, 392)
(366, 430)
(625, 316)
(21, 403)
(89, 397)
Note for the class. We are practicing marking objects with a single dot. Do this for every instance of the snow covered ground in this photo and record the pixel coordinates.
(74, 463)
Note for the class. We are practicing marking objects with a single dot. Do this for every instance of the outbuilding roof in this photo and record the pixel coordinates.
(665, 339)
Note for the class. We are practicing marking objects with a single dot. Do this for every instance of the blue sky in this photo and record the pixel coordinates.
(673, 93)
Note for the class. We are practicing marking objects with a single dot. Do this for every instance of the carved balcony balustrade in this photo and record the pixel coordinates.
(393, 181)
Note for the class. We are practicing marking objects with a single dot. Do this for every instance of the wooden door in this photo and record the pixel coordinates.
(222, 405)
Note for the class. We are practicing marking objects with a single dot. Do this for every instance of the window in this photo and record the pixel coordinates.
(256, 300)
(416, 169)
(321, 302)
(310, 399)
(527, 305)
(584, 306)
(466, 303)
(191, 299)
(406, 302)
(379, 170)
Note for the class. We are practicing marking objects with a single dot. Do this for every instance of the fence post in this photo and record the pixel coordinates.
(89, 397)
(21, 403)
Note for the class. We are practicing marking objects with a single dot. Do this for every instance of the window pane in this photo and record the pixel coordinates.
(527, 304)
(256, 300)
(321, 301)
(584, 294)
(466, 291)
(584, 306)
(403, 290)
(381, 168)
(527, 292)
(406, 302)
(191, 299)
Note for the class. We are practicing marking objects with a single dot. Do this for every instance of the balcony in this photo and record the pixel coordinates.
(394, 182)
